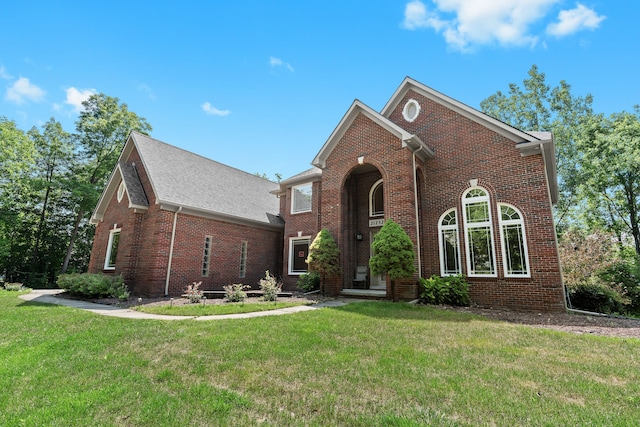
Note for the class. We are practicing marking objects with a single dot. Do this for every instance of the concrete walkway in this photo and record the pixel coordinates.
(48, 296)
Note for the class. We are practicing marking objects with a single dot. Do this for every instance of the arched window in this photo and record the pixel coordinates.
(376, 199)
(514, 242)
(478, 232)
(449, 244)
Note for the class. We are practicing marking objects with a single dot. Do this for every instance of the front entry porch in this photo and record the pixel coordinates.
(364, 293)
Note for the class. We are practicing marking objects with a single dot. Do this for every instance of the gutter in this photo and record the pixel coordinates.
(173, 238)
(415, 203)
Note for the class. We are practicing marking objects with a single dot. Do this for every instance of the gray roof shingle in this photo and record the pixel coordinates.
(182, 178)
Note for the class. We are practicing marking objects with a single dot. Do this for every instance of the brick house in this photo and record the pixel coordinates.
(474, 195)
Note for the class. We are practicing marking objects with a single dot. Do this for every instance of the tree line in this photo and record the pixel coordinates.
(50, 182)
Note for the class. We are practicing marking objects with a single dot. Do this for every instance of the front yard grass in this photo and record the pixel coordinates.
(215, 309)
(372, 363)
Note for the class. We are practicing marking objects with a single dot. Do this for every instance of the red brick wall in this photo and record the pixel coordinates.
(299, 224)
(466, 150)
(145, 240)
(263, 253)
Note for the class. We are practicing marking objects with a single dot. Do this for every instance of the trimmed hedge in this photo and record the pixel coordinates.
(93, 285)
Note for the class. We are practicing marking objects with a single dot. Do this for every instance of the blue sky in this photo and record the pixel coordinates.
(260, 85)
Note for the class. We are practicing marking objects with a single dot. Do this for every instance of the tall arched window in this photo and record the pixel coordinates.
(478, 232)
(449, 244)
(376, 199)
(514, 242)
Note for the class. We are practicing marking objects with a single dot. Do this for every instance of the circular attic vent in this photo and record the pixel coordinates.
(411, 110)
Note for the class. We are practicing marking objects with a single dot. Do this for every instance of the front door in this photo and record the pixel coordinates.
(378, 282)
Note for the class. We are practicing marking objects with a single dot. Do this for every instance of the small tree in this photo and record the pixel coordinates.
(392, 254)
(324, 257)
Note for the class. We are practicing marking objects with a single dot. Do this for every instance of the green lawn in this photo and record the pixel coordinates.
(215, 309)
(365, 364)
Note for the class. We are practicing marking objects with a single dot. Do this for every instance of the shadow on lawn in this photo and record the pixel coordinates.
(406, 311)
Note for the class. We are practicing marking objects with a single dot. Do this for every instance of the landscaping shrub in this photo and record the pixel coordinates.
(193, 292)
(592, 295)
(270, 287)
(235, 292)
(13, 286)
(452, 290)
(309, 281)
(93, 285)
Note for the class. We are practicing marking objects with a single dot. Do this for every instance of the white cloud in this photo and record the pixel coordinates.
(4, 74)
(466, 24)
(573, 20)
(23, 90)
(277, 62)
(210, 109)
(76, 97)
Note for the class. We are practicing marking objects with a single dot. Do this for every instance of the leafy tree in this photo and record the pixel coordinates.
(392, 254)
(102, 129)
(50, 186)
(324, 257)
(610, 166)
(538, 107)
(16, 164)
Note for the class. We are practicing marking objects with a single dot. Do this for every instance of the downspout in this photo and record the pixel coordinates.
(565, 292)
(173, 238)
(415, 197)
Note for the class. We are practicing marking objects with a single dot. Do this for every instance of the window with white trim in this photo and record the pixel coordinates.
(298, 253)
(112, 249)
(243, 260)
(514, 242)
(206, 256)
(376, 199)
(449, 244)
(478, 233)
(301, 196)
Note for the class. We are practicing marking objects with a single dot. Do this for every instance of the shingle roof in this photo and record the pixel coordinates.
(137, 197)
(182, 178)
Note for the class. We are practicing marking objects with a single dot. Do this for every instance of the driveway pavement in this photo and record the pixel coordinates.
(49, 296)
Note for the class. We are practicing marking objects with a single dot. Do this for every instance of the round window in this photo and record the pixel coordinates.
(411, 110)
(120, 191)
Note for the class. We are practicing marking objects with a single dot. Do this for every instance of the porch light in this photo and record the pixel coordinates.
(359, 236)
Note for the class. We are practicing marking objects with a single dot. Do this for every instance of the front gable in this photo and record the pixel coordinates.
(408, 140)
(527, 143)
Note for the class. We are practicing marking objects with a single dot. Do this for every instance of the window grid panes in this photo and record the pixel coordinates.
(206, 257)
(301, 196)
(243, 260)
(514, 246)
(479, 234)
(449, 245)
(376, 199)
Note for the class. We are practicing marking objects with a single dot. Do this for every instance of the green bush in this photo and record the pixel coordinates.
(235, 292)
(13, 286)
(624, 277)
(452, 290)
(270, 287)
(93, 285)
(309, 281)
(592, 295)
